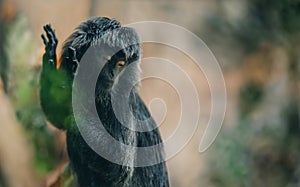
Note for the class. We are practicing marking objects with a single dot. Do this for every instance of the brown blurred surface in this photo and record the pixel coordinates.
(267, 67)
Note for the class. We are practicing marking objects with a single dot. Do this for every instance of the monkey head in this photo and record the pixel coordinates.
(114, 48)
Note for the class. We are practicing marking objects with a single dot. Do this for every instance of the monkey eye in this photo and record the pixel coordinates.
(121, 63)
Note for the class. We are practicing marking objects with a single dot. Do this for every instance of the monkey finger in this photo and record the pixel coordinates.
(50, 34)
(44, 39)
(55, 38)
(72, 56)
(47, 33)
(75, 66)
(72, 53)
(45, 27)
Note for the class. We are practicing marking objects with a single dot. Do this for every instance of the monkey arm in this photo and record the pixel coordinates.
(56, 84)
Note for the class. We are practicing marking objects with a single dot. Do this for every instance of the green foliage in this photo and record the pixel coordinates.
(271, 21)
(261, 152)
(230, 159)
(248, 156)
(251, 94)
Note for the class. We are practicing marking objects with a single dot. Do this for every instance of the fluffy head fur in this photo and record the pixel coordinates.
(105, 33)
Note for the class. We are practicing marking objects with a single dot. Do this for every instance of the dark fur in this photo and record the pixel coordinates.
(93, 170)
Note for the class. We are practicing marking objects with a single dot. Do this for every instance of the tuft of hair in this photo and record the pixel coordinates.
(101, 31)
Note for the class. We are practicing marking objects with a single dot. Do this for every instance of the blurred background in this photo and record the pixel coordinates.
(256, 43)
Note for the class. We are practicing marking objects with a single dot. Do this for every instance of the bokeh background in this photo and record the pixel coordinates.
(256, 43)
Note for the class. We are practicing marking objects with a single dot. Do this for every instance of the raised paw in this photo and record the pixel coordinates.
(50, 43)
